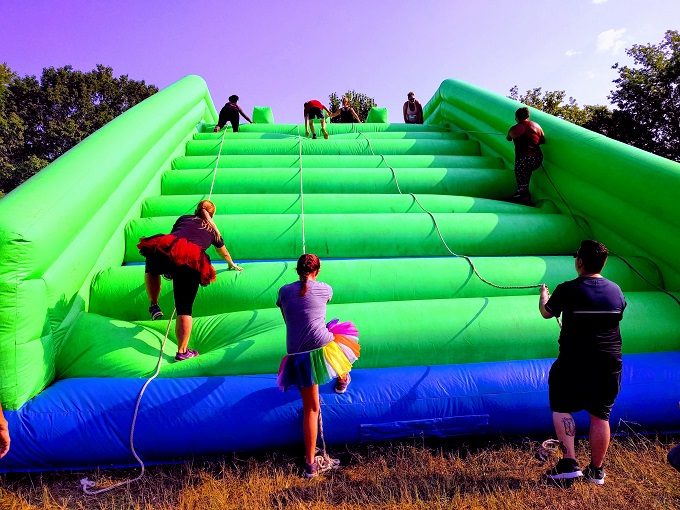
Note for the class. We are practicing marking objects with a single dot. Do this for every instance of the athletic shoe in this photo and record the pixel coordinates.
(314, 136)
(594, 475)
(321, 464)
(190, 353)
(341, 384)
(156, 312)
(565, 469)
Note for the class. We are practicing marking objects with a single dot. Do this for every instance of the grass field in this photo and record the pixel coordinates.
(405, 476)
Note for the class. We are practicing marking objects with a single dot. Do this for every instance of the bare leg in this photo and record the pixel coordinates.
(311, 126)
(310, 420)
(599, 440)
(183, 332)
(153, 287)
(307, 122)
(323, 128)
(565, 428)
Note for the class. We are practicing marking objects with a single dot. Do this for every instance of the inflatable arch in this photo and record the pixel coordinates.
(443, 353)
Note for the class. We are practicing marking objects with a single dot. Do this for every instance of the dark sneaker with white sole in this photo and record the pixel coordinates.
(594, 475)
(155, 312)
(565, 469)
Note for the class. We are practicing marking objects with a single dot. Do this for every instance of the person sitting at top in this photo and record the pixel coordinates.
(346, 112)
(230, 113)
(313, 109)
(527, 137)
(181, 257)
(413, 110)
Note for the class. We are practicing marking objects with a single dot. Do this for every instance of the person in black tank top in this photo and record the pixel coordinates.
(587, 372)
(346, 113)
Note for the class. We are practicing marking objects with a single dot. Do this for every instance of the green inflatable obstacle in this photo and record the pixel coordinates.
(425, 255)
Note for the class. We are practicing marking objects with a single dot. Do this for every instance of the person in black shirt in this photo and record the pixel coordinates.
(230, 113)
(527, 136)
(181, 256)
(347, 114)
(587, 372)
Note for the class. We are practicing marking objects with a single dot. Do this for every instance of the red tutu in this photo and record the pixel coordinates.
(181, 252)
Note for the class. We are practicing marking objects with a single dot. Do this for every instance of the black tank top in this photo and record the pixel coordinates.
(346, 114)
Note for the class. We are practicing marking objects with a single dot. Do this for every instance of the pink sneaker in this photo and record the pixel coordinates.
(190, 353)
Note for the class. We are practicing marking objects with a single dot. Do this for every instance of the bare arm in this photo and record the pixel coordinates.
(405, 110)
(542, 300)
(355, 115)
(244, 115)
(224, 253)
(4, 435)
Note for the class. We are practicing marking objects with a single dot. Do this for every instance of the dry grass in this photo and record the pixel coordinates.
(405, 476)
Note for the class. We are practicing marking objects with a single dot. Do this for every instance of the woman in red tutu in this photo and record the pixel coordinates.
(317, 352)
(181, 257)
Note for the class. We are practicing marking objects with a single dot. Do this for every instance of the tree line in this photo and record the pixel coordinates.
(646, 100)
(41, 118)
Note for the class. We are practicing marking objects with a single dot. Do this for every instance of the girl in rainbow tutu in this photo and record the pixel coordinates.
(317, 352)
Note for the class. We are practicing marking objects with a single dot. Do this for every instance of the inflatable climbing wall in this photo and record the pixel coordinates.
(450, 345)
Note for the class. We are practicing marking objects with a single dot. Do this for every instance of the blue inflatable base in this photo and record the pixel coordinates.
(83, 423)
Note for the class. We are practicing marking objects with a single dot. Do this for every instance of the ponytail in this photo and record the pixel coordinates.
(306, 265)
(205, 211)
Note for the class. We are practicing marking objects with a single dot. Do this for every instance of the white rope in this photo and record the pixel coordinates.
(88, 484)
(217, 164)
(302, 193)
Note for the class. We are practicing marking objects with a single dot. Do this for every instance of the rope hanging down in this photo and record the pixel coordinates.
(302, 194)
(439, 232)
(86, 483)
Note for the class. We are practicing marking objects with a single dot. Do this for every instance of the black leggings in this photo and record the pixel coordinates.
(185, 281)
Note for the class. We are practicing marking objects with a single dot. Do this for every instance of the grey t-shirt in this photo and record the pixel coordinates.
(305, 316)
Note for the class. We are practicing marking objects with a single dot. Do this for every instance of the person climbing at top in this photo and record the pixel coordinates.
(230, 113)
(181, 257)
(313, 109)
(527, 136)
(413, 110)
(346, 113)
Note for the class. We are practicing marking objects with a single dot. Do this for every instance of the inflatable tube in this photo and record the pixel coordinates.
(441, 401)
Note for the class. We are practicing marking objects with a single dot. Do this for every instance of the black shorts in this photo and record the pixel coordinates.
(576, 386)
(185, 281)
(314, 113)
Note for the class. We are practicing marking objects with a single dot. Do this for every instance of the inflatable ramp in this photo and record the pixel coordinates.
(386, 207)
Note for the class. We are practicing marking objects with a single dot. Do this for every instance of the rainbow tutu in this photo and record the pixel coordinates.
(335, 359)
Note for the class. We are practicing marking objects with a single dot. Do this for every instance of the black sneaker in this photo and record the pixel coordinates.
(594, 475)
(565, 469)
(314, 137)
(156, 312)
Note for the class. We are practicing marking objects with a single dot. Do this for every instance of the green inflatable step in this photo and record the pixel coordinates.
(338, 161)
(432, 332)
(475, 182)
(356, 281)
(387, 135)
(332, 146)
(170, 205)
(334, 128)
(378, 235)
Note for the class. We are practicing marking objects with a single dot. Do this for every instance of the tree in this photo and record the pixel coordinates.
(647, 97)
(42, 119)
(357, 100)
(646, 100)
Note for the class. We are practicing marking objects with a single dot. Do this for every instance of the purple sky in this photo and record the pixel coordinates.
(280, 53)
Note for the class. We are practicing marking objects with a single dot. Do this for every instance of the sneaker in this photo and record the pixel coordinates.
(314, 136)
(190, 353)
(341, 384)
(565, 469)
(156, 312)
(594, 475)
(321, 464)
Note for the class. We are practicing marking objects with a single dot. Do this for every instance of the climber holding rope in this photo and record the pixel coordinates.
(181, 256)
(527, 137)
(317, 352)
